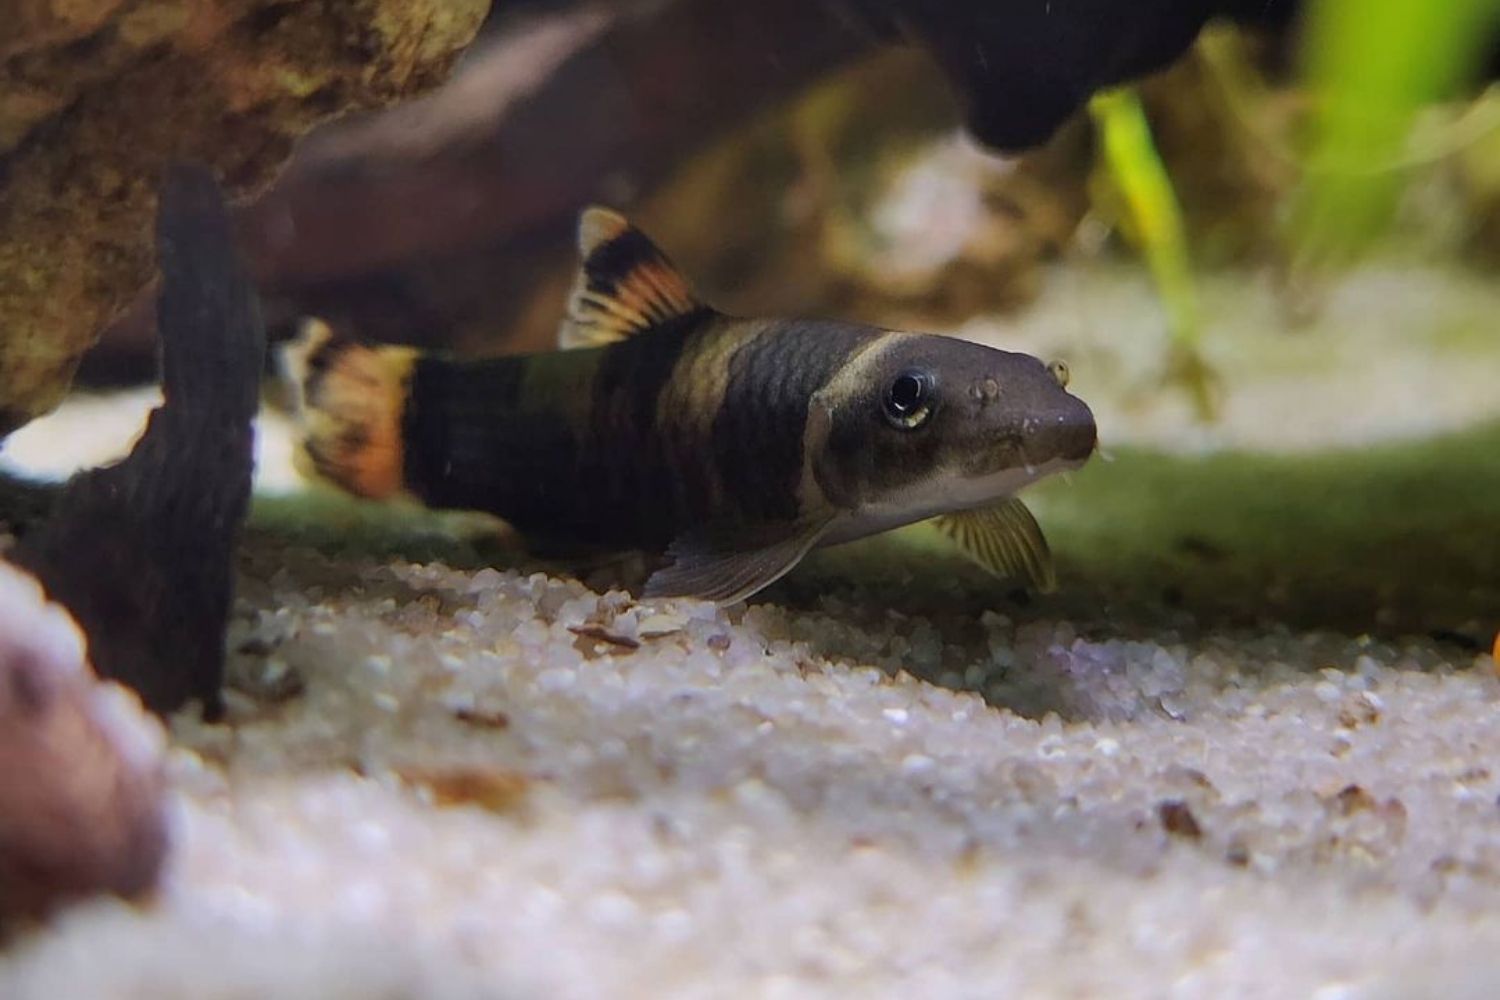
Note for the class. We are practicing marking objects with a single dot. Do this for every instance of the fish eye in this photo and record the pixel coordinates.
(908, 400)
(1059, 370)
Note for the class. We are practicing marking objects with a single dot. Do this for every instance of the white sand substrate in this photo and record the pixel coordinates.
(468, 798)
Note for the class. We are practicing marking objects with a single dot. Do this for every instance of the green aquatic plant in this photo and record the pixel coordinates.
(1372, 67)
(1153, 218)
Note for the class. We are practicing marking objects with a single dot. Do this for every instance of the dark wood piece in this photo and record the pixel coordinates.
(140, 552)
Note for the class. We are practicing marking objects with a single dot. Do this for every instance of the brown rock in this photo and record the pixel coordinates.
(80, 767)
(97, 97)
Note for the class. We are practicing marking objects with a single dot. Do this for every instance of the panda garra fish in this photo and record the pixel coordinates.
(732, 446)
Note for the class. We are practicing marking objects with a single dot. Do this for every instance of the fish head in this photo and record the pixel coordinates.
(923, 424)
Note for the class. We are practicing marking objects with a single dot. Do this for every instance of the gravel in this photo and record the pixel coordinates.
(502, 784)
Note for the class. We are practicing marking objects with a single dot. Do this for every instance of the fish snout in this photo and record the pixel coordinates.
(1069, 434)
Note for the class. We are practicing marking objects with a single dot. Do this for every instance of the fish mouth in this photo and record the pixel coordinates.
(1069, 436)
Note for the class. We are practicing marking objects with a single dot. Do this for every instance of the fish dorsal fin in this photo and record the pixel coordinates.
(1005, 539)
(625, 285)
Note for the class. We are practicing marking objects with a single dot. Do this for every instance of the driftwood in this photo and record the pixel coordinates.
(140, 552)
(1022, 69)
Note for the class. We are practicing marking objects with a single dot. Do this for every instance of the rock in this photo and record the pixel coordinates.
(97, 97)
(81, 782)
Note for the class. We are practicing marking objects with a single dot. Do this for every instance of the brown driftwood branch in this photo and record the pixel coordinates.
(588, 103)
(140, 552)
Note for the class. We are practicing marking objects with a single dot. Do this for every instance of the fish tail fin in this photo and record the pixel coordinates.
(351, 399)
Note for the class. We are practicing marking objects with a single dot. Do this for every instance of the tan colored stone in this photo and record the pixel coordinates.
(101, 96)
(81, 781)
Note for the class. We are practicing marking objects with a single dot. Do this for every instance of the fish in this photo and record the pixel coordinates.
(729, 447)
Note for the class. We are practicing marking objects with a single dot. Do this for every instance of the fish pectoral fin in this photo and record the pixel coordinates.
(624, 286)
(1005, 539)
(710, 570)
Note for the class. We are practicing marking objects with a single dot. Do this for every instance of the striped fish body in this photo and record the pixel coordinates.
(699, 424)
(731, 445)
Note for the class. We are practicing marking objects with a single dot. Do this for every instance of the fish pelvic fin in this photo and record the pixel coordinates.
(725, 570)
(625, 284)
(351, 398)
(1004, 539)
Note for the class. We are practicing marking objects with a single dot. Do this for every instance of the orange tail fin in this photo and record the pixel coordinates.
(351, 398)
